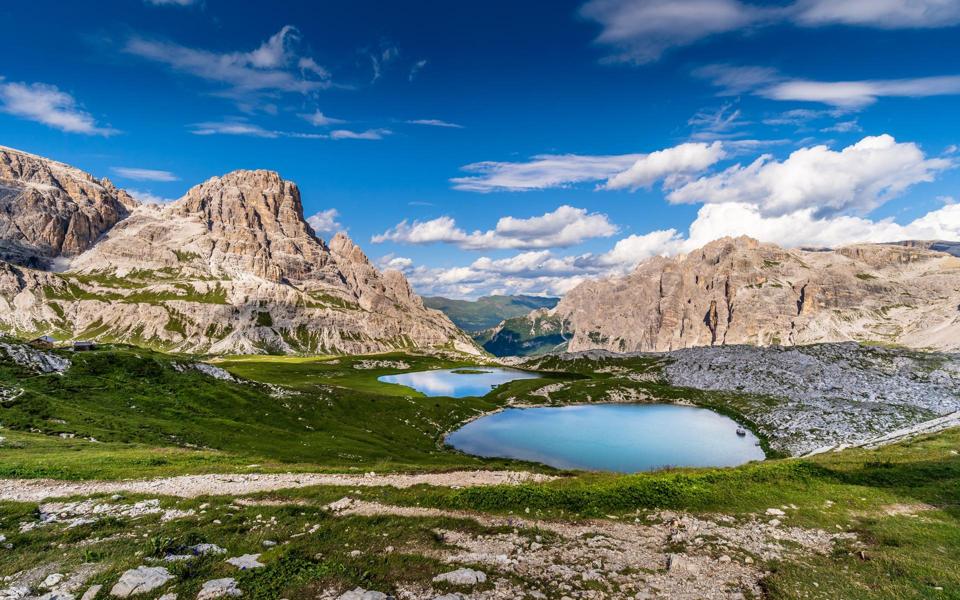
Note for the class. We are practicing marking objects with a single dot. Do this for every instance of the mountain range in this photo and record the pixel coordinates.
(231, 267)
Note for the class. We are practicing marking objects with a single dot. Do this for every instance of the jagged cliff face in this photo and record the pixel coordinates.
(49, 209)
(232, 267)
(740, 291)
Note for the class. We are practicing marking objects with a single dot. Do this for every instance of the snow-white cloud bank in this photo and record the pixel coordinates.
(566, 226)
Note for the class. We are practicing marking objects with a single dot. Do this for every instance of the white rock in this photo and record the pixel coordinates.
(57, 595)
(218, 588)
(362, 594)
(140, 580)
(52, 580)
(246, 561)
(170, 596)
(775, 512)
(204, 549)
(680, 563)
(461, 577)
(91, 592)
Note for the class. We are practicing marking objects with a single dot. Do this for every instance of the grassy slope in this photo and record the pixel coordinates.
(487, 311)
(332, 417)
(135, 402)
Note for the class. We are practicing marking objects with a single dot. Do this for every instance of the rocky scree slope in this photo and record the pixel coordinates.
(741, 291)
(232, 267)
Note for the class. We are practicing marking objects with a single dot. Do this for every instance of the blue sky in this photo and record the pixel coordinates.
(513, 146)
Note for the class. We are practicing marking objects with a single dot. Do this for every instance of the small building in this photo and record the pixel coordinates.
(44, 341)
(84, 346)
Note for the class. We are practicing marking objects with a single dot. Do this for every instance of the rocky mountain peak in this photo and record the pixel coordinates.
(346, 249)
(255, 224)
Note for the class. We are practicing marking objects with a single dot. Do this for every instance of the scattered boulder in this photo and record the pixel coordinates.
(52, 580)
(212, 371)
(140, 580)
(204, 549)
(362, 594)
(219, 588)
(775, 512)
(170, 596)
(461, 577)
(246, 561)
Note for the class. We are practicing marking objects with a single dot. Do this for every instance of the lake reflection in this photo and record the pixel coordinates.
(610, 437)
(457, 383)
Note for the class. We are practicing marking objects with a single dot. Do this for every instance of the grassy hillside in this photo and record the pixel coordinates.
(152, 414)
(488, 311)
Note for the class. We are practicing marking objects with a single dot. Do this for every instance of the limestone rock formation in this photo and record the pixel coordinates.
(230, 267)
(741, 291)
(49, 209)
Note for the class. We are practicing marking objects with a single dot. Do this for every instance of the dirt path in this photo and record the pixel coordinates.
(662, 555)
(191, 486)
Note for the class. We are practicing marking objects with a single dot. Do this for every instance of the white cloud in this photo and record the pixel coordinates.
(856, 94)
(397, 263)
(844, 95)
(232, 128)
(667, 164)
(244, 128)
(274, 66)
(734, 80)
(882, 14)
(565, 226)
(620, 171)
(380, 61)
(844, 126)
(541, 172)
(434, 123)
(369, 134)
(49, 105)
(804, 228)
(319, 119)
(148, 197)
(171, 2)
(858, 178)
(416, 68)
(640, 31)
(325, 221)
(138, 174)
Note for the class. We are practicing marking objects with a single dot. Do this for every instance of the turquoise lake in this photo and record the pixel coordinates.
(474, 381)
(625, 438)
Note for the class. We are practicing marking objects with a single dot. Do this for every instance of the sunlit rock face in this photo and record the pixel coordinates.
(741, 291)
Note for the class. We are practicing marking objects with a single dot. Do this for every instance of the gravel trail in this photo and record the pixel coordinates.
(191, 486)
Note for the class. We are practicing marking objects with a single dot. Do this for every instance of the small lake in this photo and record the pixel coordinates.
(457, 383)
(625, 438)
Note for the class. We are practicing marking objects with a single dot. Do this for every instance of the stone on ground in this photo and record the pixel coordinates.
(219, 588)
(462, 577)
(362, 594)
(246, 561)
(140, 580)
